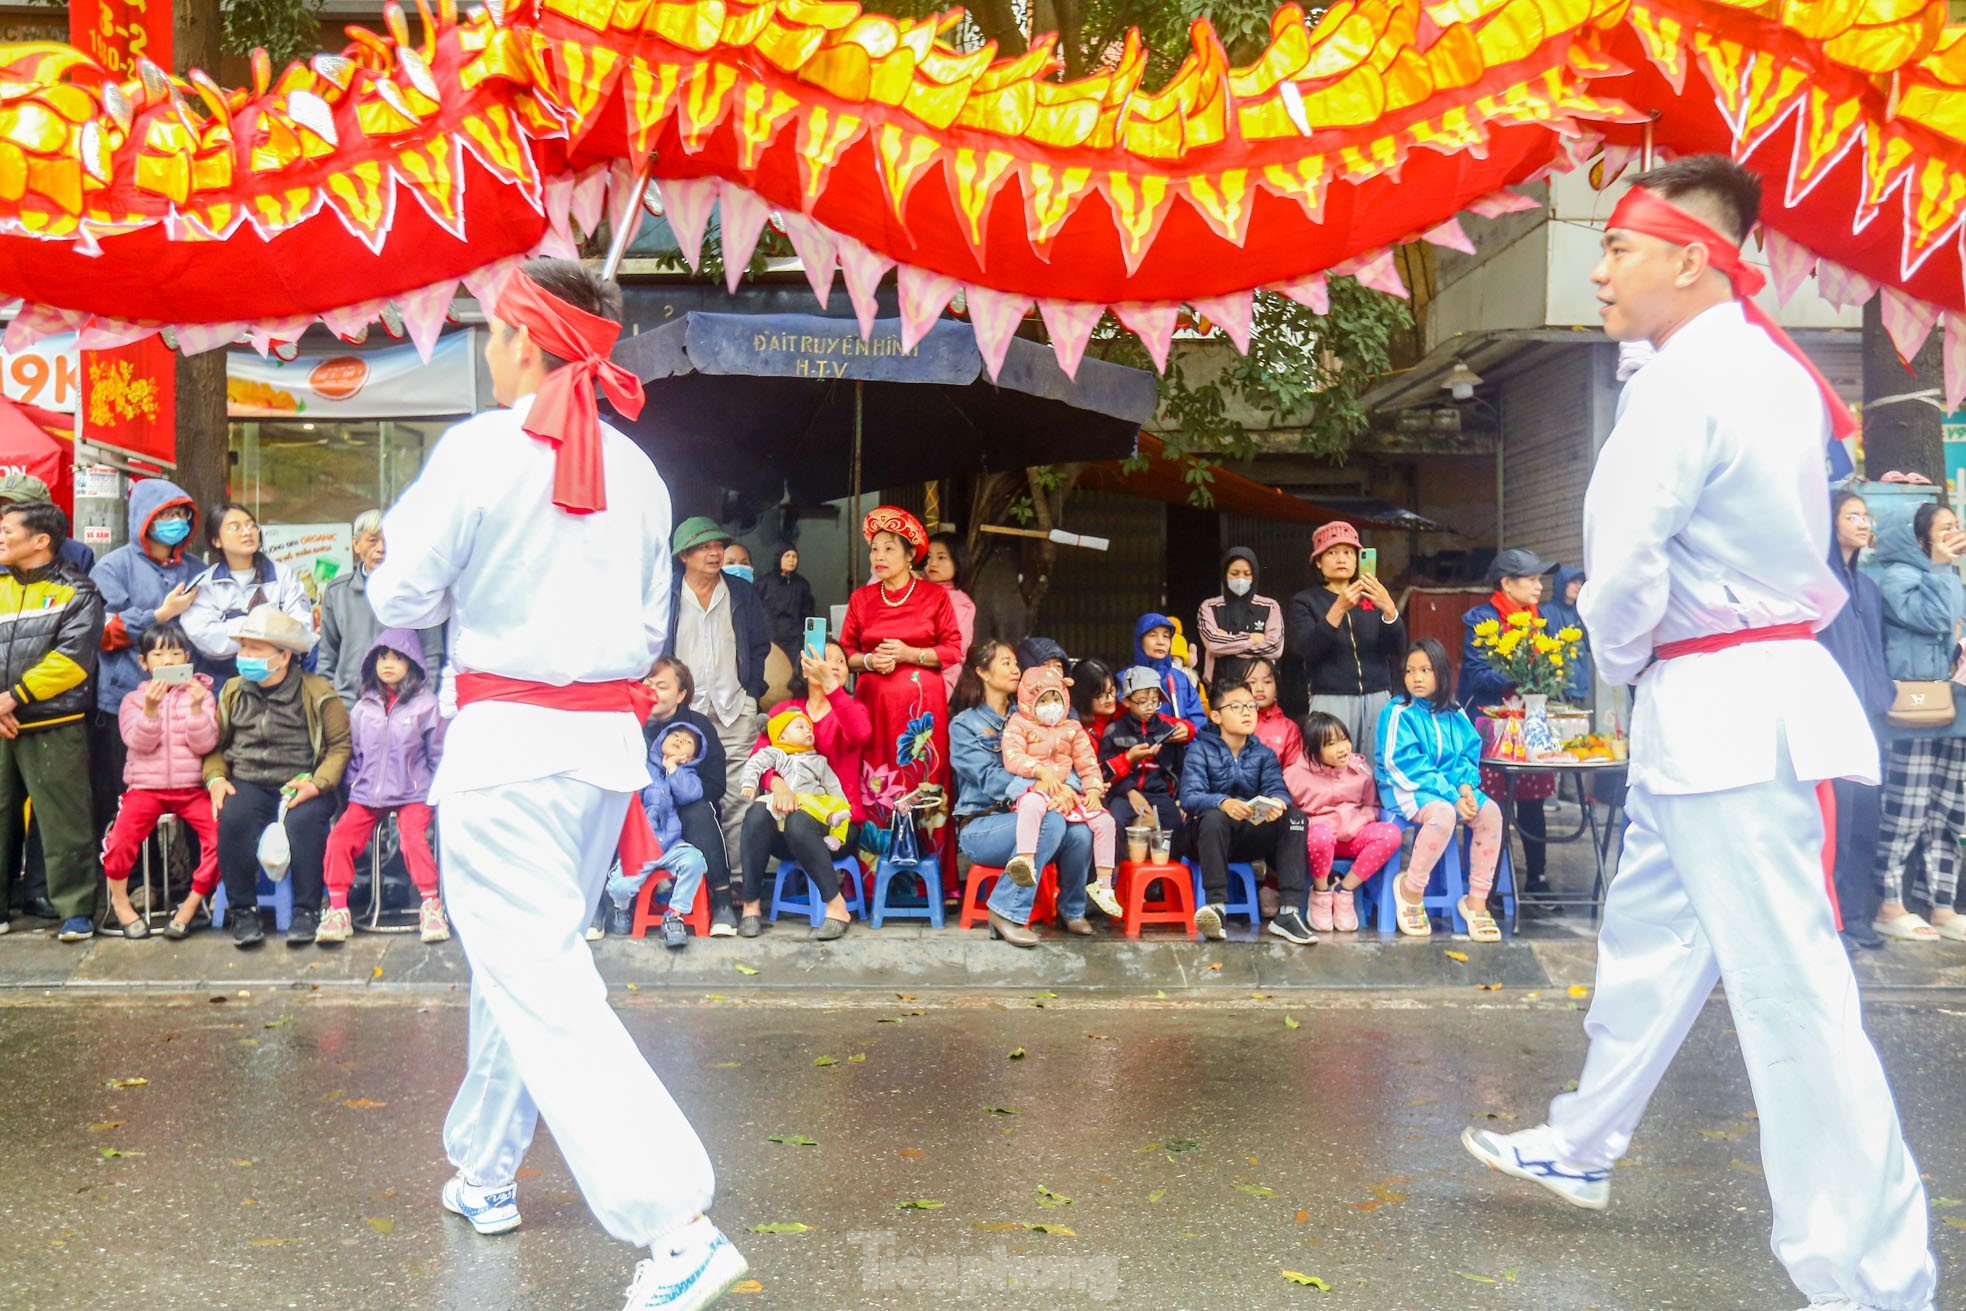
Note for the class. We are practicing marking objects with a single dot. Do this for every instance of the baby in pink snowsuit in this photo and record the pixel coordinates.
(1041, 743)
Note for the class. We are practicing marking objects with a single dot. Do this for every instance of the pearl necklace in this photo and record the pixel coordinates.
(896, 605)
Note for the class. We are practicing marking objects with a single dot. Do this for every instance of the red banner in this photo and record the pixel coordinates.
(129, 395)
(117, 33)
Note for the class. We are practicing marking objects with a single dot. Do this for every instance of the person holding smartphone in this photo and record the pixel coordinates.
(1347, 630)
(1142, 752)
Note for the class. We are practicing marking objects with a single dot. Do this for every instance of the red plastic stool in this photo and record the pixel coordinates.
(648, 915)
(1175, 905)
(983, 878)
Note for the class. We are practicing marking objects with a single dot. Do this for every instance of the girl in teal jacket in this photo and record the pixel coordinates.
(1429, 770)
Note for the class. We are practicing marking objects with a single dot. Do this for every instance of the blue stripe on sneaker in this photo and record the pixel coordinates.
(1550, 1170)
(674, 1292)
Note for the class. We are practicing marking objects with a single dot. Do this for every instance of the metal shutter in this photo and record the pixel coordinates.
(1546, 455)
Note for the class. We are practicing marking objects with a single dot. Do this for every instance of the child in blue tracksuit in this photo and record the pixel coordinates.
(674, 758)
(1430, 772)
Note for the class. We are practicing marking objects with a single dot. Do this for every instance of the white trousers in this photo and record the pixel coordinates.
(1729, 886)
(523, 867)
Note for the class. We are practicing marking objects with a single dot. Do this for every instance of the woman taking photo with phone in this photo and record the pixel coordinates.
(1348, 632)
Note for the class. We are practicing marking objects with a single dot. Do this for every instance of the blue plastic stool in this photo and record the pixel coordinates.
(283, 902)
(1445, 888)
(927, 868)
(1366, 897)
(1461, 852)
(804, 896)
(1240, 872)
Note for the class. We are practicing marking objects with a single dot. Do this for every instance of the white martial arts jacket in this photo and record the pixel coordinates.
(1708, 512)
(531, 592)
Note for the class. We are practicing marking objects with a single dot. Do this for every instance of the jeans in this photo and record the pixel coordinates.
(681, 860)
(701, 830)
(992, 840)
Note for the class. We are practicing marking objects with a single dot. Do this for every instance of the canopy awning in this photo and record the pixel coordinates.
(1166, 479)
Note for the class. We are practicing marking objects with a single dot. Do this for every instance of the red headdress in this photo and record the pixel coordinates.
(894, 519)
(563, 413)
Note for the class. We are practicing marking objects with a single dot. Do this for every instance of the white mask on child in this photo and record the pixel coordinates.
(1050, 713)
(1240, 586)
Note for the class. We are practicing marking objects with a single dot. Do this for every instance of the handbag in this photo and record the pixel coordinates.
(275, 852)
(1921, 703)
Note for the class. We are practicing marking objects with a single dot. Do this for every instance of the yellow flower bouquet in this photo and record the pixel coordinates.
(1522, 650)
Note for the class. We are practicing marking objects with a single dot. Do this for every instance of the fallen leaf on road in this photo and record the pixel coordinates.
(919, 1204)
(104, 1126)
(1489, 987)
(778, 1227)
(724, 1065)
(1301, 1217)
(1290, 1022)
(1047, 1198)
(858, 1058)
(243, 1162)
(1001, 1110)
(1215, 965)
(127, 1083)
(823, 1061)
(1308, 1281)
(1157, 1194)
(111, 1153)
(1728, 1133)
(1738, 1164)
(1382, 1195)
(1937, 1201)
(1256, 1190)
(525, 1172)
(271, 1242)
(1954, 1221)
(280, 1023)
(363, 1104)
(1578, 992)
(747, 1286)
(1100, 1037)
(382, 1224)
(742, 968)
(1479, 1279)
(1460, 957)
(1159, 995)
(1005, 1226)
(1044, 996)
(913, 1154)
(1016, 1053)
(793, 1140)
(1181, 1144)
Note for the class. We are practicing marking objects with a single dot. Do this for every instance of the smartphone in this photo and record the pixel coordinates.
(1368, 562)
(815, 645)
(175, 675)
(1165, 733)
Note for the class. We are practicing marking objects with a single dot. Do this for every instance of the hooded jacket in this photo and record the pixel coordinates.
(1343, 799)
(1237, 626)
(1425, 755)
(667, 792)
(1924, 606)
(133, 584)
(167, 750)
(1178, 692)
(1481, 684)
(348, 631)
(1280, 733)
(395, 747)
(52, 623)
(1029, 746)
(1212, 773)
(1561, 614)
(1855, 638)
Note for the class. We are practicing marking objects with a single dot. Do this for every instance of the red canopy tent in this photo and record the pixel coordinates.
(28, 444)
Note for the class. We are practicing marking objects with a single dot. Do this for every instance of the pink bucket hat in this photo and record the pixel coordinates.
(1335, 533)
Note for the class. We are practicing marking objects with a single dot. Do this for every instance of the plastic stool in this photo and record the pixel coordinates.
(1442, 900)
(982, 881)
(1175, 906)
(1461, 852)
(283, 902)
(648, 915)
(1240, 871)
(928, 869)
(792, 874)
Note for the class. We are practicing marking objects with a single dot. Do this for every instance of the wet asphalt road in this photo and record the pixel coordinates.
(284, 1154)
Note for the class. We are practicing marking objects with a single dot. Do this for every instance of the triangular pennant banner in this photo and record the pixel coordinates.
(1908, 320)
(818, 251)
(1070, 323)
(1153, 324)
(686, 203)
(1230, 313)
(995, 316)
(743, 214)
(924, 295)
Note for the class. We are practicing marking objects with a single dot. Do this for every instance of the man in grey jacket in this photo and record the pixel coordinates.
(349, 627)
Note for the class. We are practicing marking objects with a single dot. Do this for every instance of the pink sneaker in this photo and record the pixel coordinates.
(1321, 910)
(1344, 910)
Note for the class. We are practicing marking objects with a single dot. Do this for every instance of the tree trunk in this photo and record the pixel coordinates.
(202, 440)
(1904, 435)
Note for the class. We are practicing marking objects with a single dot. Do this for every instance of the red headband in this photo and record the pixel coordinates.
(1655, 216)
(564, 412)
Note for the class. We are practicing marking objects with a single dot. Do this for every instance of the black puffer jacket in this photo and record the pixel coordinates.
(53, 621)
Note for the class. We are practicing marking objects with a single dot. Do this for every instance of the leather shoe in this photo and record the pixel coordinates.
(41, 909)
(1864, 935)
(1010, 931)
(1080, 926)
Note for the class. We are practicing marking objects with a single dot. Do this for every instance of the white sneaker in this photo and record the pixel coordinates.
(686, 1271)
(490, 1210)
(335, 927)
(1527, 1155)
(1102, 896)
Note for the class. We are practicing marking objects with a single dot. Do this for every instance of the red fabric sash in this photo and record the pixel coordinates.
(1728, 641)
(1652, 214)
(628, 696)
(564, 413)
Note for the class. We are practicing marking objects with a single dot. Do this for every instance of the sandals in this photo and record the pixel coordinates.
(1410, 915)
(1953, 930)
(1908, 927)
(1481, 925)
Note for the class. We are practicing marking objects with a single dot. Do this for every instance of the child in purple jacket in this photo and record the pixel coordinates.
(397, 735)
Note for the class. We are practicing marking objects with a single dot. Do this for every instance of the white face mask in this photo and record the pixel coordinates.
(1240, 586)
(1050, 713)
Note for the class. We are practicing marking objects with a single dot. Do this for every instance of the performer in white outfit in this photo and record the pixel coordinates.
(542, 536)
(1705, 540)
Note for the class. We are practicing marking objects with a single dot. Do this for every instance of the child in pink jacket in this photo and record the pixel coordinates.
(1340, 802)
(1041, 743)
(168, 728)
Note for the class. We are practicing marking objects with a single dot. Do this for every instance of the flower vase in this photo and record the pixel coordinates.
(1538, 738)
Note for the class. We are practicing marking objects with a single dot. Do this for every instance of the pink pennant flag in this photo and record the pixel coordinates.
(744, 213)
(1070, 323)
(197, 338)
(1955, 361)
(1497, 203)
(924, 295)
(818, 251)
(686, 203)
(1153, 324)
(1374, 270)
(37, 321)
(863, 270)
(1230, 313)
(590, 192)
(995, 316)
(1789, 263)
(351, 322)
(1841, 287)
(1313, 291)
(101, 334)
(485, 284)
(424, 311)
(1908, 320)
(1449, 235)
